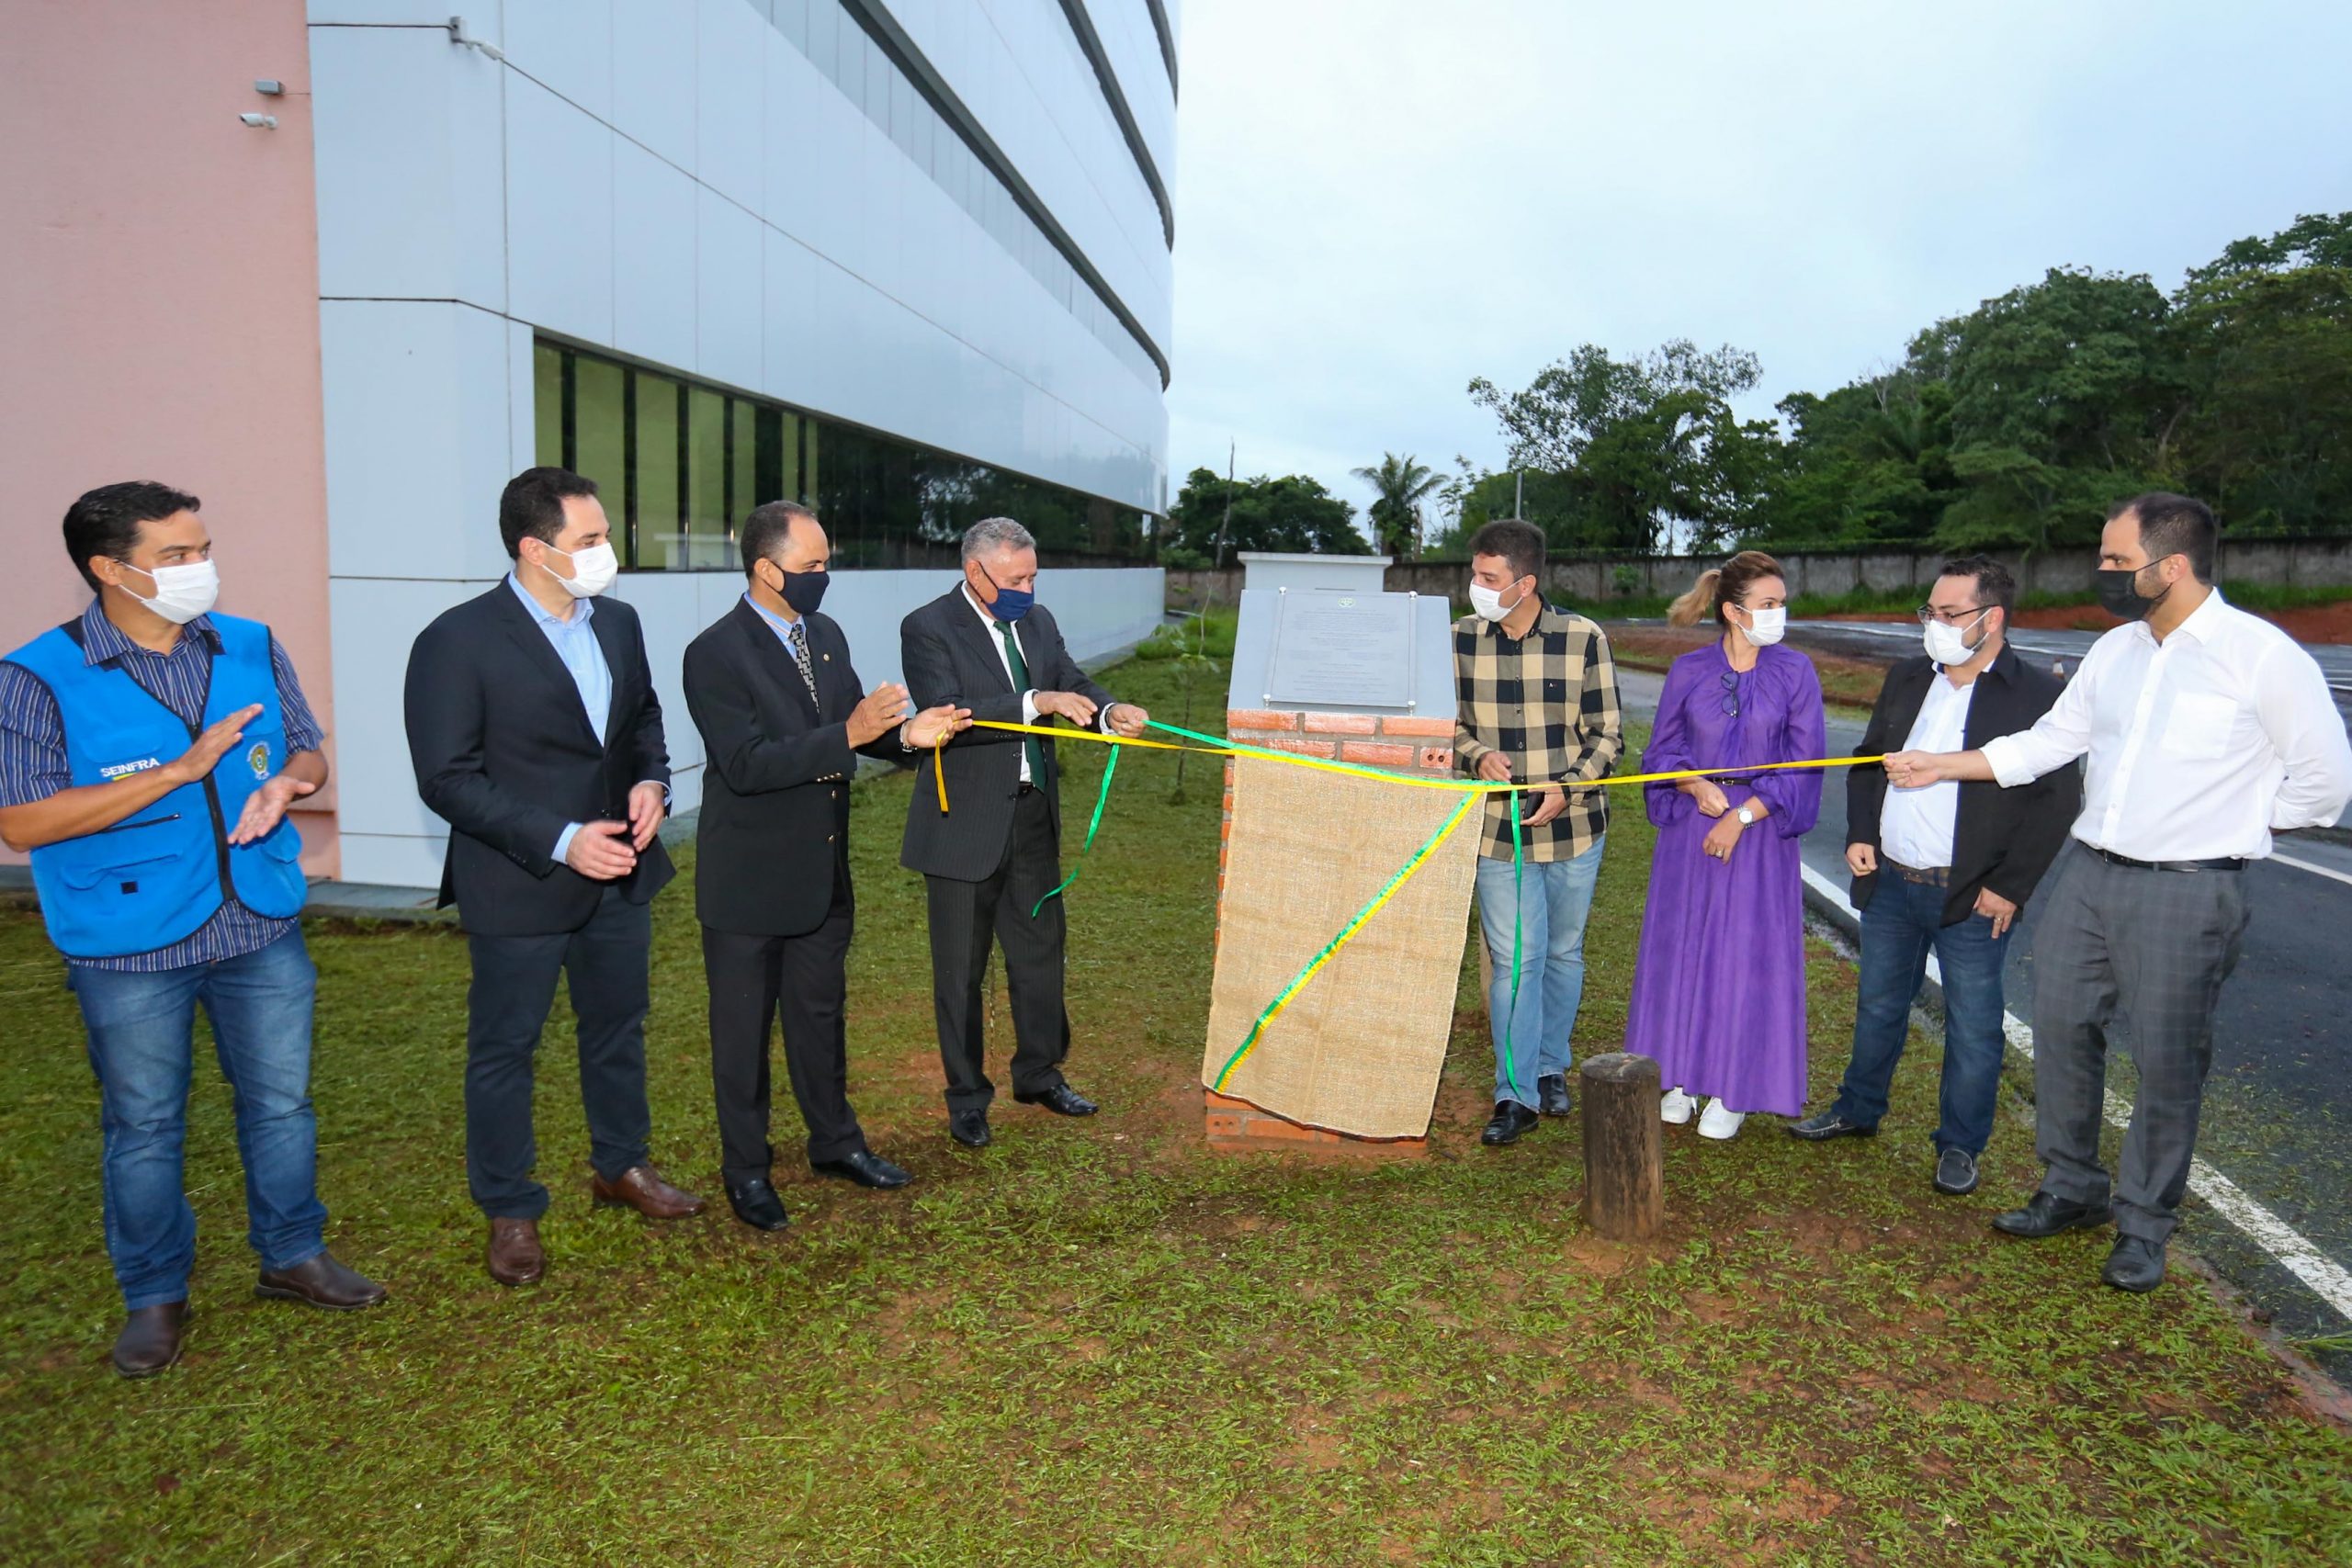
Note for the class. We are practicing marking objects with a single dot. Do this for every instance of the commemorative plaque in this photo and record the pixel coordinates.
(1341, 651)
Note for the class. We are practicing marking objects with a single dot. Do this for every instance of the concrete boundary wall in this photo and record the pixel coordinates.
(2310, 563)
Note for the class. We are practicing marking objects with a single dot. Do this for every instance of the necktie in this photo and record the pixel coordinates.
(798, 643)
(1030, 751)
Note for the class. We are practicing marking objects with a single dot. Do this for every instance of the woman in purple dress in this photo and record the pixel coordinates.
(1719, 986)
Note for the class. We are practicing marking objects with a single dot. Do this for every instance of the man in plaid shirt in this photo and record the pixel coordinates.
(1536, 703)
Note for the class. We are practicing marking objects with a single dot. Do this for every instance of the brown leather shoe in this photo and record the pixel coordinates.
(149, 1340)
(321, 1282)
(514, 1255)
(642, 1189)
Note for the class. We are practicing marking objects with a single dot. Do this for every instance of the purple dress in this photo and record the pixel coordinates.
(1719, 986)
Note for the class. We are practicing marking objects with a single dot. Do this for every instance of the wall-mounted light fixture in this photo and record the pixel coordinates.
(260, 121)
(268, 88)
(458, 36)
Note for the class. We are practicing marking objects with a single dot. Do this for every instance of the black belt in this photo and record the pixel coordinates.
(1028, 789)
(2165, 864)
(1933, 875)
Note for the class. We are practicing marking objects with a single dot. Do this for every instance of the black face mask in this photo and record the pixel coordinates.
(2119, 593)
(804, 591)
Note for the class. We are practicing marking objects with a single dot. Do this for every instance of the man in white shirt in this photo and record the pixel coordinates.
(2205, 729)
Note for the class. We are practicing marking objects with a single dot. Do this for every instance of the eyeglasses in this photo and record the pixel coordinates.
(1929, 615)
(1730, 679)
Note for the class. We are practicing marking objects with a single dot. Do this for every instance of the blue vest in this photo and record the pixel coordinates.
(154, 878)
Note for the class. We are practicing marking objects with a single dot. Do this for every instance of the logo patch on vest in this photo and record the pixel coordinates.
(113, 771)
(258, 759)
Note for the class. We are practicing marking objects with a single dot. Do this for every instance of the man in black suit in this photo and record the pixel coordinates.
(781, 720)
(536, 734)
(989, 647)
(1946, 868)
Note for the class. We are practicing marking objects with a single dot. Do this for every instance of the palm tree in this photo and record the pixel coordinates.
(1402, 485)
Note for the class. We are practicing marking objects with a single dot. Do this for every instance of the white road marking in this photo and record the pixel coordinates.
(2316, 870)
(2327, 1279)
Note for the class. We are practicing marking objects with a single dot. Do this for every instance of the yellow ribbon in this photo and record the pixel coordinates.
(1479, 786)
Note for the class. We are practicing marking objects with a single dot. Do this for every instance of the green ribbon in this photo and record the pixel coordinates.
(1518, 864)
(1324, 952)
(1102, 798)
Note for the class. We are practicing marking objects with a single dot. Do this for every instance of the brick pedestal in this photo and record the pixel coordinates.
(1399, 745)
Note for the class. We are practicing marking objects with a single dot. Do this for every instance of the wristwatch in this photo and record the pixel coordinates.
(1746, 817)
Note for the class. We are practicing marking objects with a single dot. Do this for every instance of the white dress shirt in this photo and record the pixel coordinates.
(1028, 698)
(1915, 826)
(2199, 746)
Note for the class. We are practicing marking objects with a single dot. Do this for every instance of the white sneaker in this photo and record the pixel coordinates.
(1718, 1122)
(1674, 1107)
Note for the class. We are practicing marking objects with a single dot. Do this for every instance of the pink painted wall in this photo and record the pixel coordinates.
(159, 310)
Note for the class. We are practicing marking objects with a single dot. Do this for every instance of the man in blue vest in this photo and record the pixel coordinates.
(148, 749)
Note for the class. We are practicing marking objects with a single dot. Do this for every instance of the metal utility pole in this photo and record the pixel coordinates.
(1519, 492)
(1226, 526)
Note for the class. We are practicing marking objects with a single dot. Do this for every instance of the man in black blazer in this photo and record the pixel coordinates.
(783, 721)
(1946, 869)
(989, 647)
(536, 734)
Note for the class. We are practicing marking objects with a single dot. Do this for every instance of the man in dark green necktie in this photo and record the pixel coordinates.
(991, 860)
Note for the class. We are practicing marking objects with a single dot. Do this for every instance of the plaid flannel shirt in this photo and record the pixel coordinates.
(1547, 701)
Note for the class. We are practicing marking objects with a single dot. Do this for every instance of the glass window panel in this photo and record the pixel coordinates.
(809, 494)
(825, 23)
(743, 485)
(705, 528)
(879, 72)
(850, 55)
(599, 450)
(659, 527)
(791, 18)
(546, 404)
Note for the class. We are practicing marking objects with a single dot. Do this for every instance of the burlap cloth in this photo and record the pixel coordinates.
(1359, 1048)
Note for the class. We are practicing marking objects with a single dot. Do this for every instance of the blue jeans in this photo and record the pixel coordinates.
(1551, 945)
(142, 1049)
(1902, 923)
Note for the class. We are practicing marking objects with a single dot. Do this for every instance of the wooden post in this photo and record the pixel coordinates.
(1625, 1174)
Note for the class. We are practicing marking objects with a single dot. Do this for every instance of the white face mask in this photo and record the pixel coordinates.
(593, 567)
(1489, 601)
(182, 592)
(1764, 627)
(1948, 645)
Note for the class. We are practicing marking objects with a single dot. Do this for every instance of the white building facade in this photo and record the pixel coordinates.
(906, 260)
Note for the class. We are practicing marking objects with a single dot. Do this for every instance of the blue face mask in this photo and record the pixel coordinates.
(1011, 603)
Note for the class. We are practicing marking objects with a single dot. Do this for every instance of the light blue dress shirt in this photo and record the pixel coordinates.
(575, 642)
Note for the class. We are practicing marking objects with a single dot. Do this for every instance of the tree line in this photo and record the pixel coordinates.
(2010, 427)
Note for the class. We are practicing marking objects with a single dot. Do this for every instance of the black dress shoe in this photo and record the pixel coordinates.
(1823, 1126)
(1552, 1089)
(2136, 1264)
(969, 1128)
(1511, 1119)
(756, 1205)
(149, 1340)
(1062, 1101)
(2045, 1215)
(864, 1167)
(321, 1282)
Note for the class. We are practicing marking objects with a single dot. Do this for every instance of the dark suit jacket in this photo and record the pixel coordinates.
(775, 780)
(2004, 839)
(504, 753)
(950, 657)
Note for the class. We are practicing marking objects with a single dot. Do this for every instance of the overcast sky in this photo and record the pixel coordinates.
(1377, 200)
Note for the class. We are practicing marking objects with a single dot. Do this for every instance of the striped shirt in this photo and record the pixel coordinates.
(34, 766)
(1547, 701)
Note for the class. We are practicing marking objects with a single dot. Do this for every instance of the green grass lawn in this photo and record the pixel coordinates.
(1095, 1341)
